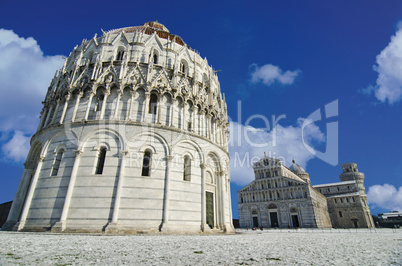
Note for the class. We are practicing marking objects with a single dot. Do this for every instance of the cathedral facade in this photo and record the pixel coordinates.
(283, 197)
(132, 138)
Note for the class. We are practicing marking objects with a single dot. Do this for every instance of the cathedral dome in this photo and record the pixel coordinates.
(295, 168)
(299, 171)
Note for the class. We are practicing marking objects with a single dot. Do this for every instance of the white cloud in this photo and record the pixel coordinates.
(17, 148)
(248, 144)
(389, 68)
(386, 197)
(25, 74)
(269, 74)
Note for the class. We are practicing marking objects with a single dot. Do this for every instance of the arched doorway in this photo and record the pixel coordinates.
(273, 215)
(254, 214)
(210, 209)
(294, 217)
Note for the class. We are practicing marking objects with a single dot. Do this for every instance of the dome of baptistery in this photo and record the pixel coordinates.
(132, 138)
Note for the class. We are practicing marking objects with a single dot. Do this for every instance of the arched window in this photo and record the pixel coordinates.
(57, 160)
(187, 169)
(99, 100)
(146, 164)
(153, 104)
(155, 59)
(101, 161)
(119, 55)
(183, 66)
(340, 214)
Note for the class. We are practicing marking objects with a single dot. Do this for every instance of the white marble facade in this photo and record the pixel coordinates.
(132, 138)
(283, 197)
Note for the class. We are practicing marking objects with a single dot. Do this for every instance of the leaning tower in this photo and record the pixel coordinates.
(351, 173)
(132, 138)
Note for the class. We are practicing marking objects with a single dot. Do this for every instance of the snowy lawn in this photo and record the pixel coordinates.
(318, 247)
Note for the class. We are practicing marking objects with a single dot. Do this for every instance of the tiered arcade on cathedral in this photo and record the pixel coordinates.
(284, 197)
(132, 138)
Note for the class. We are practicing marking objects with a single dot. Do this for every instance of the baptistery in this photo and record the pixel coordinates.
(132, 138)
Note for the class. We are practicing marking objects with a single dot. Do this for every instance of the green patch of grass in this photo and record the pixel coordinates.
(198, 252)
(273, 259)
(13, 256)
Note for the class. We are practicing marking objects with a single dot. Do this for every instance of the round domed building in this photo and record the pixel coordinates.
(132, 138)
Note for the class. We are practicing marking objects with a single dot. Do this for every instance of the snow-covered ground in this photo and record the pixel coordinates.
(318, 247)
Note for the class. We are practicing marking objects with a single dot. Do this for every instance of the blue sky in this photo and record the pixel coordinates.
(278, 58)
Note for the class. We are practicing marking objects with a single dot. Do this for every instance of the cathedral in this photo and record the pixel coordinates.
(283, 197)
(132, 138)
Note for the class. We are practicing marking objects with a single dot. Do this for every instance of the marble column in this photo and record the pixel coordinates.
(130, 111)
(63, 114)
(19, 199)
(166, 196)
(119, 189)
(208, 134)
(77, 103)
(56, 110)
(183, 112)
(204, 225)
(116, 111)
(172, 111)
(192, 117)
(61, 225)
(202, 122)
(49, 114)
(146, 108)
(102, 114)
(30, 193)
(42, 119)
(158, 110)
(91, 95)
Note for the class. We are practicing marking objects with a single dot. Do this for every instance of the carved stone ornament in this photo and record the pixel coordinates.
(135, 79)
(83, 81)
(109, 79)
(161, 83)
(184, 90)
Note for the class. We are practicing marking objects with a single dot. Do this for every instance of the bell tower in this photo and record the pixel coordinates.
(350, 172)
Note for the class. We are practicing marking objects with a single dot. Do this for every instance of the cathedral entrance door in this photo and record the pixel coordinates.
(255, 221)
(210, 209)
(354, 222)
(295, 221)
(274, 219)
